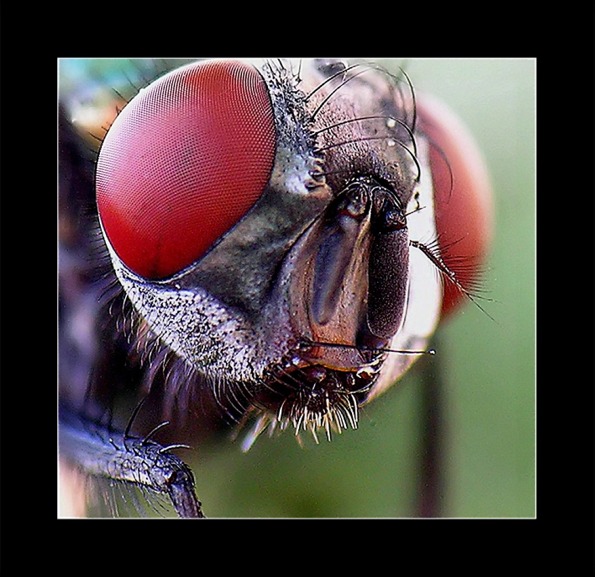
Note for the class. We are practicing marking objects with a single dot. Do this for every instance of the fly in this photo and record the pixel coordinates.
(269, 236)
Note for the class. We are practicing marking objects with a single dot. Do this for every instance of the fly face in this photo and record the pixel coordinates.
(259, 222)
(277, 235)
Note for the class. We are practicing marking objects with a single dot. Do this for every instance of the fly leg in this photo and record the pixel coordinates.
(100, 452)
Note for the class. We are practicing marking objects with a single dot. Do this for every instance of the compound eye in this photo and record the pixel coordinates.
(462, 195)
(183, 163)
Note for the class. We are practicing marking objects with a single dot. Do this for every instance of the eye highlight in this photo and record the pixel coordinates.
(183, 163)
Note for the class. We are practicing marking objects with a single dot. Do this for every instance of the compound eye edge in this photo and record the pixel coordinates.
(462, 195)
(183, 162)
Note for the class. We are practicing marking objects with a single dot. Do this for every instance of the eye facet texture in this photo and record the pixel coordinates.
(183, 163)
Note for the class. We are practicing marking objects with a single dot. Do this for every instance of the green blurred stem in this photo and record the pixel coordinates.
(432, 439)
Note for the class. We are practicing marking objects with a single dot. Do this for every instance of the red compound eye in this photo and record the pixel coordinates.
(183, 163)
(463, 196)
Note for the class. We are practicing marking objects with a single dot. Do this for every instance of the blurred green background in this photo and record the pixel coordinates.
(488, 443)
